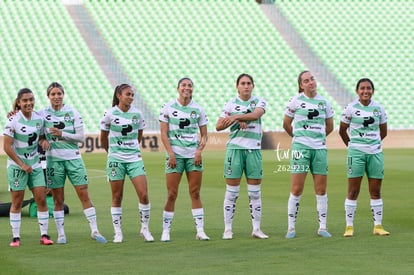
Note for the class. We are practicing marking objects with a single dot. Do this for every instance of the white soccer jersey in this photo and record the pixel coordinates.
(70, 122)
(123, 130)
(364, 124)
(250, 138)
(25, 134)
(309, 115)
(183, 126)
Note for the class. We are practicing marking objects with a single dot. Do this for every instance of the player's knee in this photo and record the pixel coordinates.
(232, 193)
(254, 192)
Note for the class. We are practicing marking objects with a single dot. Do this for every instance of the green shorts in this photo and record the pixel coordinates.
(57, 171)
(19, 180)
(248, 161)
(359, 163)
(117, 170)
(183, 164)
(303, 160)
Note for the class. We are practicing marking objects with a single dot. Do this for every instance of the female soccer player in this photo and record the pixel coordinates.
(121, 133)
(309, 120)
(64, 130)
(21, 138)
(243, 154)
(180, 121)
(363, 127)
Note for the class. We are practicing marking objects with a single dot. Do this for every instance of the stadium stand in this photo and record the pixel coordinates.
(40, 44)
(358, 39)
(158, 42)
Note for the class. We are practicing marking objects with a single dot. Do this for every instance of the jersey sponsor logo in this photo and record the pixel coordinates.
(367, 121)
(312, 113)
(184, 122)
(126, 129)
(32, 138)
(59, 124)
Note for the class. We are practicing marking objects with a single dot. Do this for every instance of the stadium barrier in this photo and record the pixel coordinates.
(151, 142)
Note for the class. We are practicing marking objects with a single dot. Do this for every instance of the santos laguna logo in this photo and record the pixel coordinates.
(92, 144)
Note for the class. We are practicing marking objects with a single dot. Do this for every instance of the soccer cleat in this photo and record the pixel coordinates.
(146, 235)
(165, 236)
(61, 239)
(349, 231)
(15, 242)
(45, 240)
(379, 230)
(118, 238)
(227, 235)
(290, 234)
(201, 236)
(98, 237)
(258, 234)
(324, 233)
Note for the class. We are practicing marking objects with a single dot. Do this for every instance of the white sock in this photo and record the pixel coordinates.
(59, 217)
(116, 213)
(43, 219)
(198, 215)
(90, 214)
(255, 204)
(167, 218)
(350, 208)
(376, 208)
(322, 209)
(15, 223)
(293, 209)
(144, 212)
(229, 205)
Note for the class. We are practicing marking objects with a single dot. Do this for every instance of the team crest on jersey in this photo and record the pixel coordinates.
(252, 104)
(193, 115)
(134, 120)
(67, 117)
(321, 106)
(376, 113)
(38, 126)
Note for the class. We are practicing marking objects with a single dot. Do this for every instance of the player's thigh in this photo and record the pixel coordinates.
(17, 178)
(375, 166)
(356, 163)
(76, 172)
(234, 163)
(254, 164)
(135, 169)
(115, 170)
(319, 162)
(300, 160)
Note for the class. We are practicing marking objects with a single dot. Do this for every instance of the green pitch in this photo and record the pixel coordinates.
(307, 253)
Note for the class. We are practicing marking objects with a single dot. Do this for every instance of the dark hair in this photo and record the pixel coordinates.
(20, 93)
(184, 78)
(365, 80)
(300, 80)
(118, 91)
(54, 85)
(242, 75)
